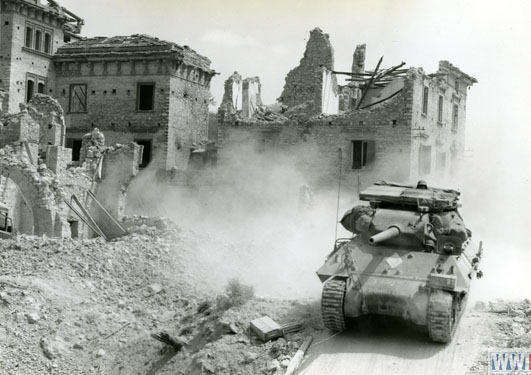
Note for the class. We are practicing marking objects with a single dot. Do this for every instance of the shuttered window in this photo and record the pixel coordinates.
(78, 98)
(363, 153)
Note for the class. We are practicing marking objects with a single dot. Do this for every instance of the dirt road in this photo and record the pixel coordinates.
(379, 346)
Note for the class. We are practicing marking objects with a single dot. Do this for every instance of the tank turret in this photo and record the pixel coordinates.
(409, 216)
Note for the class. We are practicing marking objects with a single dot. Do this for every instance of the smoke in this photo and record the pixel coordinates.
(258, 231)
(496, 184)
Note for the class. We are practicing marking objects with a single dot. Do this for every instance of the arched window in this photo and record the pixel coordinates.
(40, 88)
(30, 87)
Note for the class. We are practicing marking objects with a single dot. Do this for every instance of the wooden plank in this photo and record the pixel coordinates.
(297, 358)
(371, 80)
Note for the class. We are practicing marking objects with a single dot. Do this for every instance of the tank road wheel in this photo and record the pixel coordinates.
(332, 305)
(442, 316)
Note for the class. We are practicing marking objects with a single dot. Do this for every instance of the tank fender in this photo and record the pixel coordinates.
(353, 300)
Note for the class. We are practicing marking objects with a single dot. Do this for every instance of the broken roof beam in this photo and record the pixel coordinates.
(389, 71)
(370, 81)
(352, 74)
(384, 99)
(396, 70)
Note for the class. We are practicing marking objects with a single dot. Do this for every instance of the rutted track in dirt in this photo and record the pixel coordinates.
(379, 346)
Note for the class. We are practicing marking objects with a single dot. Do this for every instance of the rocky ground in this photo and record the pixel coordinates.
(510, 327)
(71, 306)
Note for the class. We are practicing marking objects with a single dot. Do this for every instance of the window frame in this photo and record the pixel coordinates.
(455, 117)
(50, 43)
(37, 44)
(425, 98)
(36, 79)
(367, 153)
(71, 91)
(27, 34)
(37, 37)
(138, 85)
(440, 109)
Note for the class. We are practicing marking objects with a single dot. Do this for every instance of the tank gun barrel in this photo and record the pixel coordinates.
(385, 235)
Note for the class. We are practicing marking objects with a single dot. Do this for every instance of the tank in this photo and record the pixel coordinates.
(410, 257)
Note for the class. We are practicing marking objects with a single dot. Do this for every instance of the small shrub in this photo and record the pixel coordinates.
(236, 294)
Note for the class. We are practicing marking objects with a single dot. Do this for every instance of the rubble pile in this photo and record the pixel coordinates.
(70, 306)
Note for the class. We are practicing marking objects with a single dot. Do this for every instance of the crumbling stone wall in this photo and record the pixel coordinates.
(304, 84)
(358, 59)
(232, 97)
(314, 142)
(48, 113)
(251, 96)
(19, 127)
(119, 167)
(241, 98)
(38, 186)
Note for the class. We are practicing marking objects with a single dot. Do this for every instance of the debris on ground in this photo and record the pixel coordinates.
(90, 306)
(511, 329)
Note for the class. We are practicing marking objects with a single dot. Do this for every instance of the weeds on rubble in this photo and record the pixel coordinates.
(236, 294)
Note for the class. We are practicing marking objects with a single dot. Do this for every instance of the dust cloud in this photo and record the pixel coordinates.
(252, 225)
(258, 228)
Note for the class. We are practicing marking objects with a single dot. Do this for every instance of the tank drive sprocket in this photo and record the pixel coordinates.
(332, 305)
(442, 316)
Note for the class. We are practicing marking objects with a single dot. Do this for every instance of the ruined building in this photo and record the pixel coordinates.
(79, 116)
(395, 123)
(133, 88)
(30, 34)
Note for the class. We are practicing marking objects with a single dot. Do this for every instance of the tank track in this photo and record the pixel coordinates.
(332, 301)
(444, 312)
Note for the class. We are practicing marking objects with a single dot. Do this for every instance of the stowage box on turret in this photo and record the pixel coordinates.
(410, 257)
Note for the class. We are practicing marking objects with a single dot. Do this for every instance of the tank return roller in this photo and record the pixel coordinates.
(387, 234)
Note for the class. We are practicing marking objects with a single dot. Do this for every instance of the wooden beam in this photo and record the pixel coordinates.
(383, 100)
(371, 80)
(352, 74)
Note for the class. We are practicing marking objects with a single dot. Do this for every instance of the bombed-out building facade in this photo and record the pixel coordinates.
(79, 117)
(397, 123)
(132, 88)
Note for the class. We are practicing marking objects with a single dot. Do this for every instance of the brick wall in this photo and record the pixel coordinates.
(111, 103)
(314, 143)
(188, 119)
(179, 116)
(17, 62)
(304, 84)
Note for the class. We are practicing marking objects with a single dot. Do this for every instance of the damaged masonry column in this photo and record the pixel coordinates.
(311, 85)
(232, 97)
(251, 96)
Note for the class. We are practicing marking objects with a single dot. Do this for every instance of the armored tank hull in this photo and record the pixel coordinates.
(398, 264)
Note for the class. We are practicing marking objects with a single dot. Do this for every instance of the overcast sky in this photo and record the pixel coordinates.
(490, 40)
